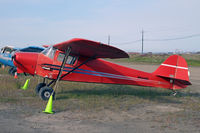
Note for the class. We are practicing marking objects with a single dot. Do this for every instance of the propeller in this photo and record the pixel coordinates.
(13, 58)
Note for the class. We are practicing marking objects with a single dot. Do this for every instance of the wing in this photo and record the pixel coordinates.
(89, 48)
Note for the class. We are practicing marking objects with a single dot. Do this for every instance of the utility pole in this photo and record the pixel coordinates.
(108, 39)
(142, 41)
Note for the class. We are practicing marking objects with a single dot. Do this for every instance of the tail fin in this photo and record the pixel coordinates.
(174, 68)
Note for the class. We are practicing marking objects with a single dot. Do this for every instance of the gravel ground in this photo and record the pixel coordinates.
(140, 118)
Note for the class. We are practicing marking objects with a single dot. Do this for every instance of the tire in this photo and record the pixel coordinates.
(38, 87)
(45, 93)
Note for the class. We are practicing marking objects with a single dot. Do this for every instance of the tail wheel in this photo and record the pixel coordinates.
(45, 93)
(38, 87)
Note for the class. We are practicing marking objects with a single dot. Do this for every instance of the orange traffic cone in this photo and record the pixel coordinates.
(15, 75)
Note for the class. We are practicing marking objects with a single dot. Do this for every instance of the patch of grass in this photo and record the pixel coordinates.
(81, 96)
(192, 59)
(4, 71)
(193, 62)
(89, 96)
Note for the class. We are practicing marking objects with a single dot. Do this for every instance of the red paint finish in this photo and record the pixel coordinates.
(89, 48)
(174, 67)
(101, 71)
(26, 62)
(172, 74)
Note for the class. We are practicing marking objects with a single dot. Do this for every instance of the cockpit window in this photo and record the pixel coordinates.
(49, 52)
(70, 60)
(7, 50)
(2, 50)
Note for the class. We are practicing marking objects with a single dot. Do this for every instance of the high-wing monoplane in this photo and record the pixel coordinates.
(81, 60)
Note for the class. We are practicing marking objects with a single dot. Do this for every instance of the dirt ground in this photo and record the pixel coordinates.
(140, 118)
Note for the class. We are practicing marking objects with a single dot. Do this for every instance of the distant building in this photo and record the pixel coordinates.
(149, 53)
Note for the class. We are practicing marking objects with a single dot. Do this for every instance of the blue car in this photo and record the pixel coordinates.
(7, 52)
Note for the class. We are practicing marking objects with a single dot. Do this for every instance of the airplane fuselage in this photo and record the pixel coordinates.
(94, 71)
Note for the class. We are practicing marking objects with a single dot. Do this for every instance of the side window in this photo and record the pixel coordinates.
(70, 60)
(60, 57)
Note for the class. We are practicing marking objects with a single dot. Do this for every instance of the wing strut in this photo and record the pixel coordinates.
(61, 68)
(89, 59)
(61, 77)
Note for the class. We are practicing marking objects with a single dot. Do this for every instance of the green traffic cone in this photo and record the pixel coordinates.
(26, 85)
(49, 107)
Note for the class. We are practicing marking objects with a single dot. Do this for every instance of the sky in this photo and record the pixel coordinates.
(168, 25)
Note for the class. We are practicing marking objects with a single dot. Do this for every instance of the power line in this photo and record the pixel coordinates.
(166, 39)
(124, 43)
(177, 38)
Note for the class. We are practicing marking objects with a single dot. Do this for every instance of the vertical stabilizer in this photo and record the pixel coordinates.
(175, 67)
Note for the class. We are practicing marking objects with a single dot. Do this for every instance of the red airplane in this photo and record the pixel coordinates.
(80, 60)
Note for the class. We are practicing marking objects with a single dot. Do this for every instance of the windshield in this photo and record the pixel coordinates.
(7, 50)
(49, 52)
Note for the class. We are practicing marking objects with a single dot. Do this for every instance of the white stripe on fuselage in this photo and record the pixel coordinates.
(175, 66)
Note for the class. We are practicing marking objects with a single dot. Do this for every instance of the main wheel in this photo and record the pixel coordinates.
(38, 87)
(45, 92)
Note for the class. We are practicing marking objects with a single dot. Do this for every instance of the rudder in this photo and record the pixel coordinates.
(175, 68)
